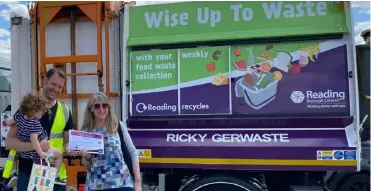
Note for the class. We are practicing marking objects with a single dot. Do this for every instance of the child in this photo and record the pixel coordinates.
(29, 129)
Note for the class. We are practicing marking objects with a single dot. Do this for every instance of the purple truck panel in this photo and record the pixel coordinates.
(296, 132)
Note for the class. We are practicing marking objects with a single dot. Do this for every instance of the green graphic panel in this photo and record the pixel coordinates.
(154, 69)
(203, 62)
(231, 20)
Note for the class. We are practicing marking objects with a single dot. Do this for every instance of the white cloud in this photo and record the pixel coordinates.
(16, 7)
(5, 53)
(4, 33)
(358, 28)
(5, 48)
(364, 11)
(360, 4)
(10, 6)
(361, 26)
(362, 7)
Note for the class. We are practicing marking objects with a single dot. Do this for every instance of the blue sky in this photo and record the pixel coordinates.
(360, 12)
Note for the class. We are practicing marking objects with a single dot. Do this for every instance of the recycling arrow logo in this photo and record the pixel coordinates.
(141, 107)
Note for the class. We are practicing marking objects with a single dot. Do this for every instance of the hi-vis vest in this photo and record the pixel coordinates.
(56, 140)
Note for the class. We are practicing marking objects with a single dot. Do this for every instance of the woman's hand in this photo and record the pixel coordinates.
(137, 186)
(84, 153)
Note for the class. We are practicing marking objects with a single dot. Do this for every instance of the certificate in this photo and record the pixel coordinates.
(92, 142)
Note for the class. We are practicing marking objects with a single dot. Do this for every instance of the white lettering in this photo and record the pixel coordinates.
(263, 138)
(184, 138)
(203, 16)
(247, 13)
(327, 94)
(154, 19)
(321, 8)
(170, 20)
(309, 6)
(196, 54)
(199, 106)
(275, 9)
(230, 138)
(272, 10)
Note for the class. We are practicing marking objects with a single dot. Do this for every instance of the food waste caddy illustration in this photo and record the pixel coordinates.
(258, 86)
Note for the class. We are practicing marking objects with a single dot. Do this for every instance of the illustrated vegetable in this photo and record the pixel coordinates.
(240, 65)
(251, 56)
(216, 54)
(210, 67)
(303, 61)
(248, 79)
(269, 47)
(277, 75)
(237, 52)
(295, 69)
(265, 67)
(265, 56)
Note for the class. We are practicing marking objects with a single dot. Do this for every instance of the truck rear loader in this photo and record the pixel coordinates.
(217, 95)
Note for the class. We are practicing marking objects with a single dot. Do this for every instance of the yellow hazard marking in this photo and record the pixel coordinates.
(144, 153)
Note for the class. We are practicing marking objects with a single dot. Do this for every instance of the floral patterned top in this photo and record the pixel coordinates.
(109, 170)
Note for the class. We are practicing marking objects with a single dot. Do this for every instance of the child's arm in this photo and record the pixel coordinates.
(9, 122)
(36, 145)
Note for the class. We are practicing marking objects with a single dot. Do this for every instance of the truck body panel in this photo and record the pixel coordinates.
(195, 102)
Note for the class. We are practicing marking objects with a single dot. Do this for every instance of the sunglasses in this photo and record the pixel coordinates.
(103, 105)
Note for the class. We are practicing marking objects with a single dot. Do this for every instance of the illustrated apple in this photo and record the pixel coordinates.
(211, 67)
(295, 69)
(237, 52)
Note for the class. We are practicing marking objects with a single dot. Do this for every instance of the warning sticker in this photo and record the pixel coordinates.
(324, 155)
(336, 155)
(144, 153)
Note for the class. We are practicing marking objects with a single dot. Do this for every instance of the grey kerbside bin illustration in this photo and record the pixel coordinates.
(259, 87)
(257, 98)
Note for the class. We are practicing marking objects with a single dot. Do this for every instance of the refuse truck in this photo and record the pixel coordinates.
(227, 95)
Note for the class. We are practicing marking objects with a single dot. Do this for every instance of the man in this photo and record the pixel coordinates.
(57, 122)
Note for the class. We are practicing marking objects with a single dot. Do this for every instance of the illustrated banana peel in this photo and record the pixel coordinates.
(311, 51)
(314, 52)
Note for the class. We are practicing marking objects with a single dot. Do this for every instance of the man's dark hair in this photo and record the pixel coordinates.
(51, 72)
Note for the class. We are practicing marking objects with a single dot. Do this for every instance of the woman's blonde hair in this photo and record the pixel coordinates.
(89, 119)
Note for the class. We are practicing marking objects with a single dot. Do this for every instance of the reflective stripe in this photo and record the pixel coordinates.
(9, 164)
(65, 112)
(56, 135)
(10, 157)
(57, 132)
(56, 140)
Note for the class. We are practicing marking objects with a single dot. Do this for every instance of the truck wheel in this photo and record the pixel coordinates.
(219, 184)
(358, 182)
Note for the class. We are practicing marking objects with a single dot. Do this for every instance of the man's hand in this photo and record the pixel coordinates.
(45, 145)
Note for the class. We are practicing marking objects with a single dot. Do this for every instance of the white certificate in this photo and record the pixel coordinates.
(92, 142)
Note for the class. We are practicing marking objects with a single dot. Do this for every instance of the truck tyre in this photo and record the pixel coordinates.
(357, 182)
(220, 184)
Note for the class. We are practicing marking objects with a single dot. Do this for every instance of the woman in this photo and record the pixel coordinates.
(109, 172)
